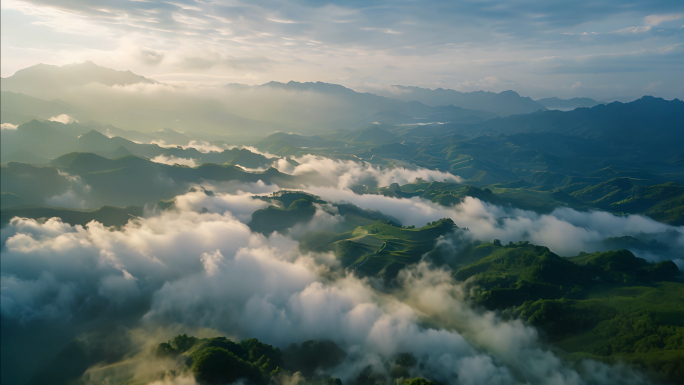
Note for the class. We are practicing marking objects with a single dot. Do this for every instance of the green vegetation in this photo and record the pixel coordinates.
(609, 306)
(381, 248)
(125, 181)
(219, 360)
(279, 219)
(663, 202)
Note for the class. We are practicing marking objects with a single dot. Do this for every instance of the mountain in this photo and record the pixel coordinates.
(282, 143)
(46, 139)
(641, 139)
(609, 306)
(647, 123)
(567, 104)
(171, 136)
(375, 134)
(121, 182)
(18, 108)
(664, 202)
(503, 104)
(50, 80)
(621, 158)
(318, 104)
(131, 110)
(107, 215)
(40, 141)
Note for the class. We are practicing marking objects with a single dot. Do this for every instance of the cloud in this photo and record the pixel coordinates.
(239, 204)
(659, 19)
(642, 29)
(63, 118)
(172, 160)
(199, 145)
(282, 21)
(150, 56)
(254, 150)
(8, 126)
(74, 197)
(565, 231)
(383, 30)
(69, 199)
(305, 41)
(198, 270)
(211, 261)
(239, 188)
(347, 173)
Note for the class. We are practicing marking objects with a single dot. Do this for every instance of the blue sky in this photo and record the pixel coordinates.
(602, 49)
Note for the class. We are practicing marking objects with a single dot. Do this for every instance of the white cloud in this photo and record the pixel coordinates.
(172, 160)
(199, 145)
(347, 173)
(75, 195)
(241, 205)
(310, 43)
(633, 30)
(565, 231)
(211, 261)
(8, 126)
(254, 150)
(63, 118)
(68, 199)
(209, 271)
(658, 19)
(199, 266)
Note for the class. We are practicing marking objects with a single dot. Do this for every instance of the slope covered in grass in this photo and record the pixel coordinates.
(609, 306)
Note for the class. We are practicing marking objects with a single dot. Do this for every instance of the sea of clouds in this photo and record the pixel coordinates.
(198, 268)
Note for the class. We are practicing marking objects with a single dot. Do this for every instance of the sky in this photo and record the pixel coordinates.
(597, 48)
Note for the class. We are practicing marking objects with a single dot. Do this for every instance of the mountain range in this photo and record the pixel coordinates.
(88, 92)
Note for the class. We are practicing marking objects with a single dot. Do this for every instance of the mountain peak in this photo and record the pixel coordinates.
(50, 81)
(509, 93)
(503, 104)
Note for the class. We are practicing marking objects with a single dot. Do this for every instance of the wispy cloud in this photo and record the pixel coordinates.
(383, 30)
(642, 29)
(63, 118)
(659, 19)
(438, 43)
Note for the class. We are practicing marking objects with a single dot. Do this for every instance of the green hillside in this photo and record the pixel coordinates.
(609, 306)
(381, 248)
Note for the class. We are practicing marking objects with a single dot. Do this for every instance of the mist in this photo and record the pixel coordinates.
(565, 231)
(332, 193)
(199, 267)
(237, 112)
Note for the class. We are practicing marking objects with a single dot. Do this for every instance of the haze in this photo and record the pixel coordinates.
(600, 49)
(337, 193)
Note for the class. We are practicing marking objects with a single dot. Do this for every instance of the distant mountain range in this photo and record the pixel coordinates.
(244, 112)
(503, 104)
(40, 141)
(567, 104)
(45, 79)
(19, 108)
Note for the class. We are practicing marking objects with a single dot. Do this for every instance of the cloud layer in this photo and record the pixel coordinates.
(344, 174)
(565, 231)
(458, 45)
(200, 267)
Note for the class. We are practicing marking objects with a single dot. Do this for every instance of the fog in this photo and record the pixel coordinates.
(199, 267)
(565, 231)
(232, 111)
(344, 174)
